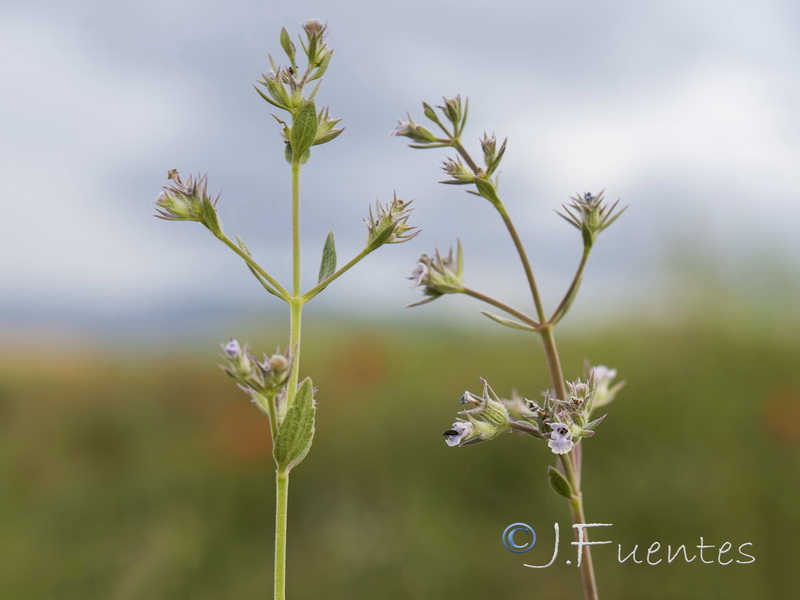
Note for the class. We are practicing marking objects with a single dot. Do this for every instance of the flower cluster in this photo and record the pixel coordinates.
(284, 88)
(590, 215)
(264, 381)
(486, 420)
(562, 422)
(284, 84)
(438, 275)
(188, 201)
(389, 224)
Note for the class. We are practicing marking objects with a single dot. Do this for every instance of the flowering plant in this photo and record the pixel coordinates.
(273, 382)
(564, 416)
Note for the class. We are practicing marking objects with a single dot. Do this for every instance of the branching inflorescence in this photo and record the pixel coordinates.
(272, 382)
(565, 414)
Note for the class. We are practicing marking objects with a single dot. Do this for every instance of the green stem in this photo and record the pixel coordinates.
(323, 284)
(465, 155)
(523, 256)
(281, 509)
(296, 228)
(587, 567)
(501, 305)
(296, 301)
(573, 288)
(568, 463)
(295, 318)
(553, 362)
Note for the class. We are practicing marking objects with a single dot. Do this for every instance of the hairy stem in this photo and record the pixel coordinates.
(296, 227)
(281, 508)
(295, 316)
(296, 301)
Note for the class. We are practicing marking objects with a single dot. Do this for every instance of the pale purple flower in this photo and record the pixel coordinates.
(461, 431)
(232, 349)
(559, 439)
(419, 275)
(402, 128)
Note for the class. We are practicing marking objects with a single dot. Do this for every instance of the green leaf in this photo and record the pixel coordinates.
(304, 129)
(328, 265)
(558, 482)
(507, 322)
(287, 45)
(486, 189)
(296, 432)
(265, 284)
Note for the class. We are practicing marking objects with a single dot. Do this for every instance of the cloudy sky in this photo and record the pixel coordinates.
(686, 110)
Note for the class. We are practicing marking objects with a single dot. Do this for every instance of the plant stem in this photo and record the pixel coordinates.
(281, 508)
(523, 256)
(323, 284)
(569, 465)
(296, 227)
(501, 305)
(295, 316)
(587, 568)
(296, 301)
(573, 288)
(553, 362)
(281, 291)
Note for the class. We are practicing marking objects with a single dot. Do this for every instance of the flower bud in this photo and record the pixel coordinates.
(188, 201)
(240, 366)
(389, 224)
(486, 420)
(460, 173)
(313, 27)
(438, 275)
(590, 215)
(453, 110)
(412, 130)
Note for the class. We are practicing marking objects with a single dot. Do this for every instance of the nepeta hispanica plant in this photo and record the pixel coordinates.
(566, 413)
(273, 383)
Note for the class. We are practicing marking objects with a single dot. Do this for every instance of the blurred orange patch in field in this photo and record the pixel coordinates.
(782, 416)
(242, 432)
(362, 362)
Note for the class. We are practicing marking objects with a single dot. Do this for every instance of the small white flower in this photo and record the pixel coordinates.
(604, 393)
(559, 439)
(402, 128)
(419, 275)
(461, 430)
(603, 375)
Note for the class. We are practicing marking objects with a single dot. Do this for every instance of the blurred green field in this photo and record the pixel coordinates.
(133, 477)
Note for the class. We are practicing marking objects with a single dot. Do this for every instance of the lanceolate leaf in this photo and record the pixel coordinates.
(558, 482)
(296, 432)
(507, 322)
(304, 129)
(328, 265)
